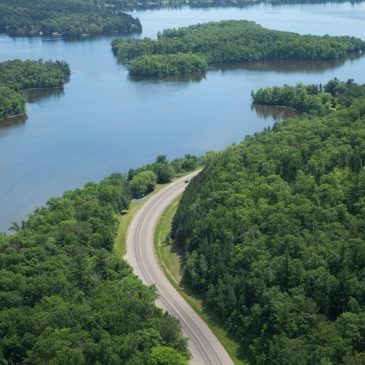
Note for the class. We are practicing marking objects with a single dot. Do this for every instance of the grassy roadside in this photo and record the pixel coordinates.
(168, 258)
(125, 220)
(170, 261)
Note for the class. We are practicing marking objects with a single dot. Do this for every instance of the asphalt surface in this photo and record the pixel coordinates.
(204, 347)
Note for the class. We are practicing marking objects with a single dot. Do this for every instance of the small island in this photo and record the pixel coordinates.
(68, 18)
(17, 75)
(229, 42)
(313, 99)
(170, 64)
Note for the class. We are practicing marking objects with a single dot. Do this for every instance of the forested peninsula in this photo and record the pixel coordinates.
(273, 236)
(19, 75)
(226, 42)
(315, 99)
(65, 298)
(69, 18)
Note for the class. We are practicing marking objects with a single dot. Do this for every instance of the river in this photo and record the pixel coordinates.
(104, 122)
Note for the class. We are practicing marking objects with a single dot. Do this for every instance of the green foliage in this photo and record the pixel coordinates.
(162, 355)
(227, 42)
(11, 103)
(64, 296)
(67, 17)
(273, 233)
(314, 99)
(187, 163)
(164, 171)
(172, 64)
(17, 75)
(20, 75)
(142, 183)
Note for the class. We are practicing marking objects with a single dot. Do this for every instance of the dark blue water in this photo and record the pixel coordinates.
(104, 122)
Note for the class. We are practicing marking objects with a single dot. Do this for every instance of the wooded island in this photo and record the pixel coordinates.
(227, 42)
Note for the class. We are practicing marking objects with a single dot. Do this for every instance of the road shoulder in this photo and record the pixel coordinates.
(170, 261)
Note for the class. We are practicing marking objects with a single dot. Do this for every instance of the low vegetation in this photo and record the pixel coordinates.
(72, 18)
(272, 232)
(228, 42)
(168, 258)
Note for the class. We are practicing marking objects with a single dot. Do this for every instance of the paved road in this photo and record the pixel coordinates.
(203, 345)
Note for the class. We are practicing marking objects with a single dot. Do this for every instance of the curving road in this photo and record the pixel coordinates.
(203, 345)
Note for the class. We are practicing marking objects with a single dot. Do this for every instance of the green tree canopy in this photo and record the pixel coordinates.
(272, 232)
(73, 18)
(191, 49)
(314, 99)
(18, 75)
(162, 355)
(143, 182)
(65, 298)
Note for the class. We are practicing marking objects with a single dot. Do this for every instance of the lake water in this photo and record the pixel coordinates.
(103, 122)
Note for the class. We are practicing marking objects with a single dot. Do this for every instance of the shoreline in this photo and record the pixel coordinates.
(13, 116)
(42, 88)
(22, 92)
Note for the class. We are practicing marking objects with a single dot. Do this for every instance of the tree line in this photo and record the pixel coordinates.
(66, 299)
(273, 235)
(19, 75)
(71, 18)
(144, 179)
(229, 42)
(171, 64)
(201, 4)
(314, 99)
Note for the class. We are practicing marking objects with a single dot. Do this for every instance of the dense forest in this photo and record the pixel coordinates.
(314, 99)
(170, 64)
(11, 102)
(68, 18)
(67, 299)
(229, 42)
(21, 75)
(273, 235)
